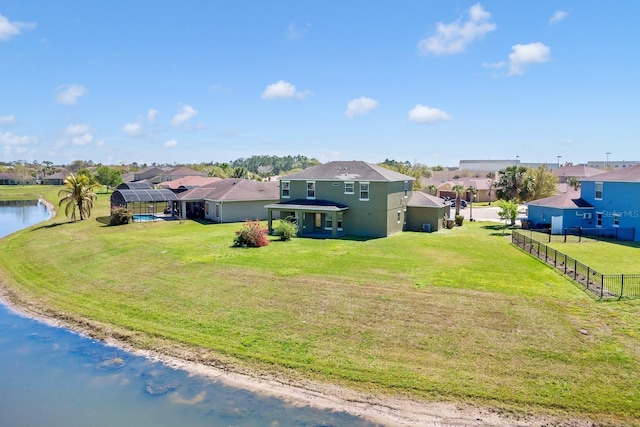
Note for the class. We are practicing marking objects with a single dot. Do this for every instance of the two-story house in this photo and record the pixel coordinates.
(340, 198)
(609, 201)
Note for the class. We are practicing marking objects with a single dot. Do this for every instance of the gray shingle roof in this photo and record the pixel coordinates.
(630, 174)
(420, 199)
(234, 189)
(348, 171)
(568, 200)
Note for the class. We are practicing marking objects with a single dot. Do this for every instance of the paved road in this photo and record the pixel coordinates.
(483, 213)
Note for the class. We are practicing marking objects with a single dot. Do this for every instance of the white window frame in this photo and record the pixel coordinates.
(368, 191)
(616, 220)
(350, 184)
(311, 190)
(599, 219)
(599, 189)
(285, 186)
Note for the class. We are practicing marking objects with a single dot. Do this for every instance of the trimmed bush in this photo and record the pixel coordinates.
(459, 219)
(286, 230)
(119, 216)
(252, 234)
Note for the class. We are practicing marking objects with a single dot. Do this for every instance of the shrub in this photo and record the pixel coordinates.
(459, 219)
(286, 230)
(120, 216)
(252, 234)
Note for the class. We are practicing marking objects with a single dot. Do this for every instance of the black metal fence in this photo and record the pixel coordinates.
(601, 285)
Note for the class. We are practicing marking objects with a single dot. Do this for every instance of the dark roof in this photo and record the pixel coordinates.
(57, 175)
(141, 195)
(420, 199)
(139, 185)
(234, 189)
(348, 171)
(630, 174)
(184, 172)
(309, 205)
(568, 200)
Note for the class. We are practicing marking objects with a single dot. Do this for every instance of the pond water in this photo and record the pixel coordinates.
(51, 376)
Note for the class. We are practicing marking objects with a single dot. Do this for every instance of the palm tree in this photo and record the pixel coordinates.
(79, 193)
(433, 190)
(458, 189)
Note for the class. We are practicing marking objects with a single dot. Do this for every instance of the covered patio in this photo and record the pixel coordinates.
(314, 218)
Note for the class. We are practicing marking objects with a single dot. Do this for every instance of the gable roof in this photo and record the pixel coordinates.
(569, 200)
(577, 171)
(183, 172)
(189, 181)
(348, 171)
(234, 189)
(420, 199)
(630, 174)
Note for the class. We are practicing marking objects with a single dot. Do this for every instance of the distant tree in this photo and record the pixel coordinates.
(459, 190)
(543, 183)
(78, 194)
(514, 183)
(573, 182)
(433, 189)
(76, 165)
(240, 172)
(108, 177)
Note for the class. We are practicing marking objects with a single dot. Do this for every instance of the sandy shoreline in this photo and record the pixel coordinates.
(386, 411)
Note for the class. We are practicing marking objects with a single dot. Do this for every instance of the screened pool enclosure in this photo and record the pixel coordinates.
(161, 203)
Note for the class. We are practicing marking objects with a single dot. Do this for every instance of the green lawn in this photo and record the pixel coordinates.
(605, 256)
(458, 315)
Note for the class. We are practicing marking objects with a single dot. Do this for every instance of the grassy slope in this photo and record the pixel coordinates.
(458, 314)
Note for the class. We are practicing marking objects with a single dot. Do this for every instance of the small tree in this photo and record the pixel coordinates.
(459, 190)
(508, 211)
(252, 234)
(286, 230)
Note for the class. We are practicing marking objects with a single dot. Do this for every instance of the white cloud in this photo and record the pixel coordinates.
(7, 120)
(282, 89)
(360, 106)
(558, 16)
(170, 143)
(100, 143)
(185, 113)
(454, 37)
(10, 139)
(525, 54)
(427, 115)
(77, 129)
(294, 31)
(69, 94)
(9, 29)
(151, 115)
(83, 139)
(132, 129)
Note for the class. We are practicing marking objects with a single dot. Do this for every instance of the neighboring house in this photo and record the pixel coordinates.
(609, 201)
(16, 179)
(342, 198)
(55, 178)
(179, 173)
(575, 171)
(484, 189)
(188, 182)
(147, 174)
(229, 200)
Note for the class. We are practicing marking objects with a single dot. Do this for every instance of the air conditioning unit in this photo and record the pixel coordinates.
(586, 215)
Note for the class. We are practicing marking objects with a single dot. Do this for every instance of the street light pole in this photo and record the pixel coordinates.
(606, 165)
(559, 161)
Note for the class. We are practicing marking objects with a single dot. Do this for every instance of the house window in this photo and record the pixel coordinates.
(328, 222)
(339, 220)
(616, 220)
(364, 191)
(318, 220)
(598, 219)
(311, 189)
(599, 190)
(406, 188)
(217, 210)
(286, 189)
(348, 188)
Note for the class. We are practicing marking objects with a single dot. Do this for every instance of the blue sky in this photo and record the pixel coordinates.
(431, 82)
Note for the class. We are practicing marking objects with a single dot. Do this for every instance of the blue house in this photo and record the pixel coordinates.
(608, 201)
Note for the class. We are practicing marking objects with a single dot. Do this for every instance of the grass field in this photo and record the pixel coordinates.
(458, 315)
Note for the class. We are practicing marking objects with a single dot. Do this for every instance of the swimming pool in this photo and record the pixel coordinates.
(144, 217)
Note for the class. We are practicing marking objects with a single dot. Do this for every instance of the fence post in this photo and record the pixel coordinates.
(621, 285)
(575, 269)
(601, 285)
(588, 276)
(546, 250)
(565, 235)
(565, 263)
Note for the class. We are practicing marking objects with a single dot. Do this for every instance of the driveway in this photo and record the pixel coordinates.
(485, 213)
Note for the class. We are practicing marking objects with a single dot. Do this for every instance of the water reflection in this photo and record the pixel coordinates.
(51, 376)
